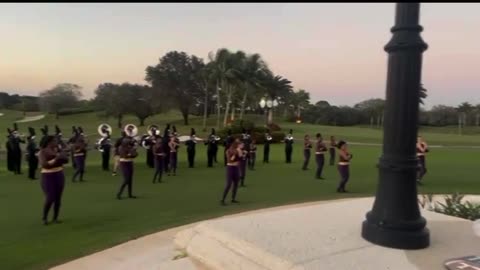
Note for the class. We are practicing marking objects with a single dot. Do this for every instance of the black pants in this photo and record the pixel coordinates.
(266, 153)
(106, 161)
(150, 161)
(215, 152)
(17, 163)
(32, 166)
(252, 157)
(332, 156)
(306, 158)
(191, 158)
(288, 154)
(320, 158)
(127, 172)
(210, 157)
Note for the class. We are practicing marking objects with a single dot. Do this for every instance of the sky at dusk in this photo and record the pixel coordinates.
(334, 51)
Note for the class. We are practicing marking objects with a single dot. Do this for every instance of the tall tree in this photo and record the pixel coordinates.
(173, 79)
(114, 99)
(65, 95)
(277, 89)
(253, 71)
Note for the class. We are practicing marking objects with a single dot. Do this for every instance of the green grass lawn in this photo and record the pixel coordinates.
(95, 220)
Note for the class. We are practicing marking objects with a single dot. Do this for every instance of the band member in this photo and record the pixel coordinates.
(252, 155)
(246, 140)
(32, 154)
(159, 154)
(173, 146)
(166, 147)
(16, 150)
(343, 165)
(70, 142)
(116, 152)
(212, 148)
(243, 163)
(227, 143)
(266, 146)
(147, 143)
(9, 147)
(331, 150)
(51, 160)
(422, 149)
(127, 153)
(320, 150)
(79, 149)
(232, 172)
(307, 146)
(191, 143)
(104, 146)
(289, 146)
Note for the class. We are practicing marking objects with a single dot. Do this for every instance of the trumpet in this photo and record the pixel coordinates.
(268, 137)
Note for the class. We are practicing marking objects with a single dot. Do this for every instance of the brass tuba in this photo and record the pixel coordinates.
(104, 130)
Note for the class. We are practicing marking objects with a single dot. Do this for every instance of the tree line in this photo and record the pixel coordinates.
(228, 85)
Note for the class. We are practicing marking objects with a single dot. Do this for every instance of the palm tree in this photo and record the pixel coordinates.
(253, 70)
(276, 88)
(226, 71)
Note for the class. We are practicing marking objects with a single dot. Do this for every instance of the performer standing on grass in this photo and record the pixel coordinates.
(105, 147)
(227, 143)
(191, 143)
(422, 149)
(116, 152)
(232, 172)
(289, 146)
(243, 163)
(343, 165)
(331, 150)
(266, 146)
(252, 155)
(212, 148)
(16, 154)
(307, 146)
(79, 149)
(166, 147)
(32, 154)
(9, 147)
(53, 180)
(320, 150)
(173, 146)
(159, 155)
(70, 143)
(127, 153)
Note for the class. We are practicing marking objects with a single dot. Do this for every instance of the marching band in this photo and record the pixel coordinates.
(162, 155)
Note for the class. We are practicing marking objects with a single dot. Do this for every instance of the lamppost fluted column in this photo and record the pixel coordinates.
(395, 220)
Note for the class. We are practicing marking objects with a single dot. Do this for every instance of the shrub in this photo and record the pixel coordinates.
(454, 206)
(258, 133)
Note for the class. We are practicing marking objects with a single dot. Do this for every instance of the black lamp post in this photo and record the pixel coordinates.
(395, 220)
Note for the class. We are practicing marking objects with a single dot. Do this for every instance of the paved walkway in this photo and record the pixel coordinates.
(157, 251)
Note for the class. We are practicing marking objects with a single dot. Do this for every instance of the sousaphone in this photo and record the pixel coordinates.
(131, 130)
(104, 130)
(153, 130)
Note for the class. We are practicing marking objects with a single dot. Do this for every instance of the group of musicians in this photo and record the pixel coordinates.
(162, 155)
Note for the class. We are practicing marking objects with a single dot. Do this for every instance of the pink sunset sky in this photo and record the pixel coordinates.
(334, 51)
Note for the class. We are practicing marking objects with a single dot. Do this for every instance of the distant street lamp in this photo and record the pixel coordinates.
(268, 104)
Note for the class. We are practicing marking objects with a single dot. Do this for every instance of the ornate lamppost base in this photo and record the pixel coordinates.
(399, 239)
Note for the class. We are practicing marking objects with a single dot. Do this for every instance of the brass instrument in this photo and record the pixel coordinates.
(131, 131)
(105, 130)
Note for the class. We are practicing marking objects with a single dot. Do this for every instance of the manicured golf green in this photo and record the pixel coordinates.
(95, 220)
